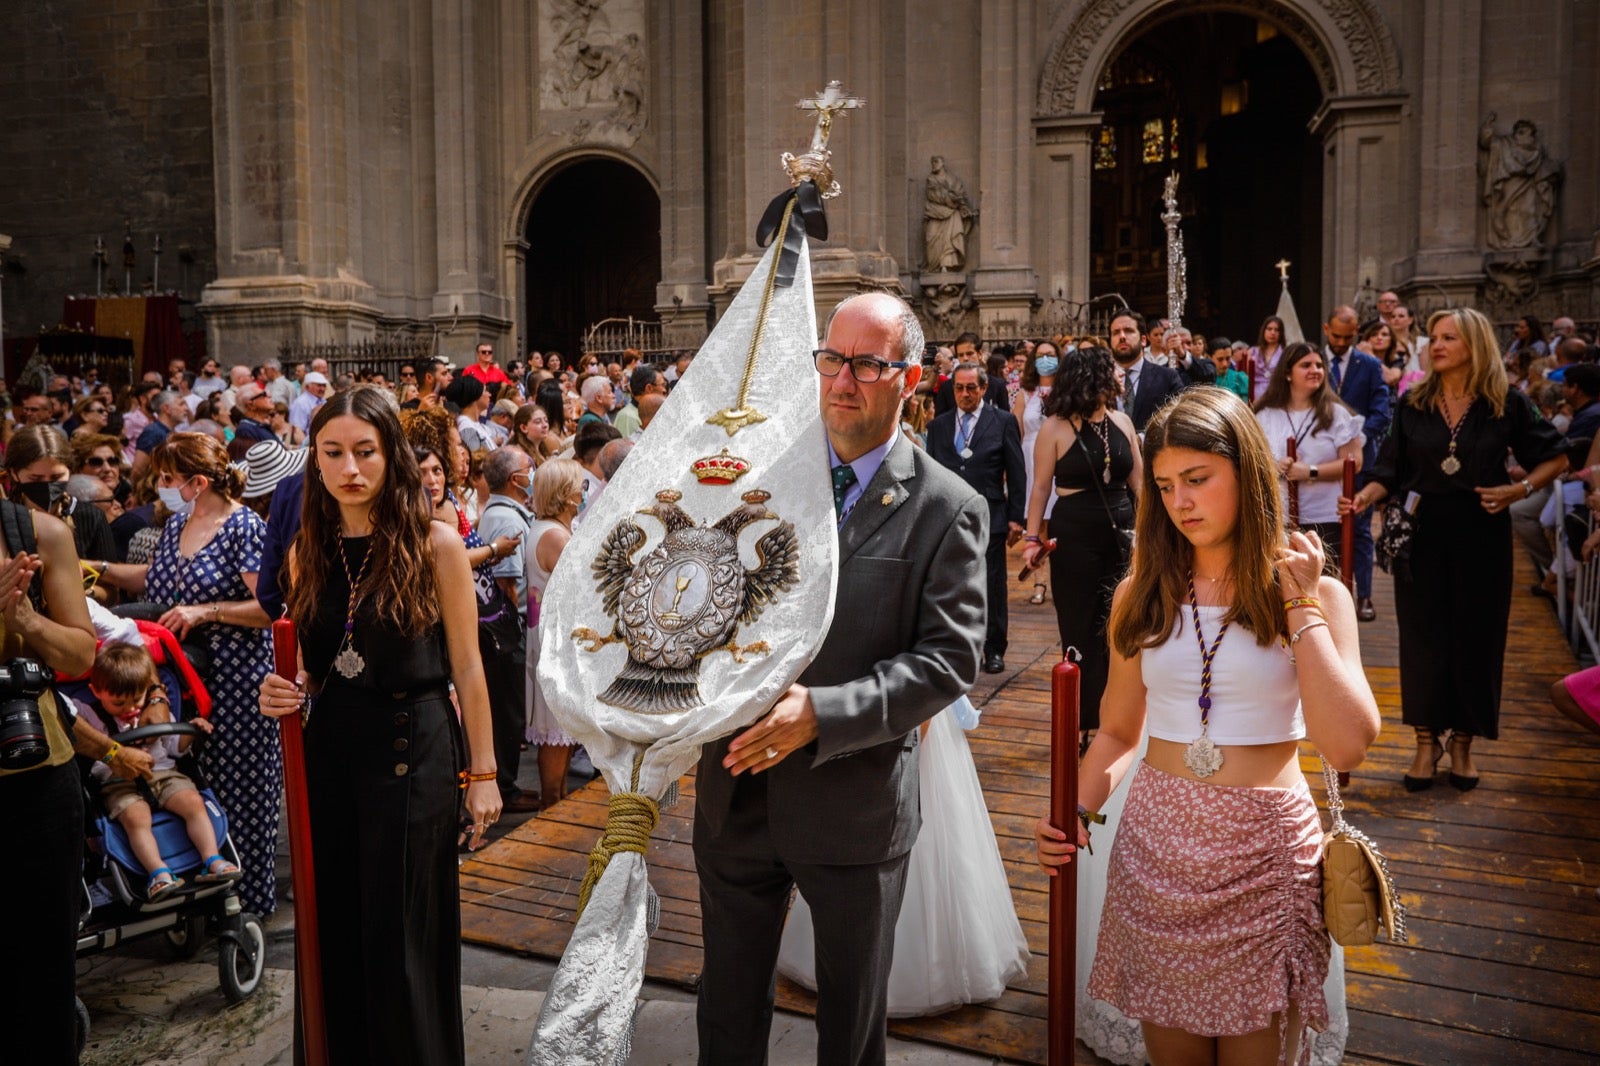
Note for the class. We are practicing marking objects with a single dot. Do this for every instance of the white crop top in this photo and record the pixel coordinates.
(1255, 695)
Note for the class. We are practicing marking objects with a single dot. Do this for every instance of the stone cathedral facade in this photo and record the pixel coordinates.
(516, 170)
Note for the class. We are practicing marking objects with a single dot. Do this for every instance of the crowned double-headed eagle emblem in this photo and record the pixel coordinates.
(686, 599)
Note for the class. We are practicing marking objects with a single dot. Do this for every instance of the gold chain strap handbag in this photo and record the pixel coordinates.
(1358, 895)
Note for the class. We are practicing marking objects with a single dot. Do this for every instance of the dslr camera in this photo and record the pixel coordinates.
(23, 743)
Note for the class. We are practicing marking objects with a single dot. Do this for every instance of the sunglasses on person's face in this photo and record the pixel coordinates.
(95, 410)
(98, 462)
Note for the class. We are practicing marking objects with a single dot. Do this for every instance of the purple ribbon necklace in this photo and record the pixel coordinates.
(1202, 756)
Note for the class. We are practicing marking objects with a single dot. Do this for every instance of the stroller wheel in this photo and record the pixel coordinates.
(82, 1023)
(184, 939)
(241, 957)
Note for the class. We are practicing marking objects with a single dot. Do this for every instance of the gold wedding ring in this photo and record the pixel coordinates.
(772, 753)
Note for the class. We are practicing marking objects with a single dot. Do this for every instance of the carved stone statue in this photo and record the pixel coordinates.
(947, 218)
(1519, 185)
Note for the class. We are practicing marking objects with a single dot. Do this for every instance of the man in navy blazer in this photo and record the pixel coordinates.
(983, 444)
(1146, 385)
(1358, 379)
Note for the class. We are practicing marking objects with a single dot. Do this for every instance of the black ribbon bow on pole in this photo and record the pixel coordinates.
(813, 223)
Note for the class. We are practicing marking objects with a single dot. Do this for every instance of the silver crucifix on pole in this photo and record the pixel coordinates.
(813, 162)
(1177, 265)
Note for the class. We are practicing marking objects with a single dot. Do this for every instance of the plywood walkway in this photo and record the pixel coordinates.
(1504, 964)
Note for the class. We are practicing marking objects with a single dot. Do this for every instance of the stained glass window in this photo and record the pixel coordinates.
(1105, 149)
(1154, 141)
(1172, 137)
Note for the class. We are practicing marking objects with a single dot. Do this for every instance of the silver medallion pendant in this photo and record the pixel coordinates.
(966, 453)
(349, 663)
(1202, 756)
(1450, 465)
(1106, 477)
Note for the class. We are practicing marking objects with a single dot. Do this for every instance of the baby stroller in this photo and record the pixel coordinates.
(115, 905)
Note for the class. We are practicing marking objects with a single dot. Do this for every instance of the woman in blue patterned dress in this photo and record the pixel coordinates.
(205, 566)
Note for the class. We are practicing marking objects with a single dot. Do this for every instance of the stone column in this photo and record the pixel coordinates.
(677, 111)
(1063, 164)
(1448, 115)
(1361, 169)
(467, 306)
(1004, 283)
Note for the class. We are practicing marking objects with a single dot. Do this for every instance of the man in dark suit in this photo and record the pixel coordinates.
(983, 444)
(1358, 379)
(968, 351)
(1146, 385)
(780, 805)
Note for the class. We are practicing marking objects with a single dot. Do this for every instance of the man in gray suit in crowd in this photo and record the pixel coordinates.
(822, 791)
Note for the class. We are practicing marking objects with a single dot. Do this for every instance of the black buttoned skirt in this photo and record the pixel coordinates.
(381, 773)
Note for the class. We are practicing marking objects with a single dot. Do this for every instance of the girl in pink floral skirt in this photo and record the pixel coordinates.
(1229, 646)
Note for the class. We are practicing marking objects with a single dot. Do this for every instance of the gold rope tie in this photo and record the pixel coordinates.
(631, 818)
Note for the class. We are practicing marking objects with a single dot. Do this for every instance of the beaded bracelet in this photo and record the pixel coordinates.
(1309, 602)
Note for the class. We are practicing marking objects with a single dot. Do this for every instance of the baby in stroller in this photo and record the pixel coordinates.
(127, 692)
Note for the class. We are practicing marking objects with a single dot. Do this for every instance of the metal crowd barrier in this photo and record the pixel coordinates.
(1580, 617)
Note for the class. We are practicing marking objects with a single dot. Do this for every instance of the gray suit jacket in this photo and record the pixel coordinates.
(904, 643)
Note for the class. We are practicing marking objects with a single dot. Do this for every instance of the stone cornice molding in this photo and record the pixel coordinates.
(1347, 42)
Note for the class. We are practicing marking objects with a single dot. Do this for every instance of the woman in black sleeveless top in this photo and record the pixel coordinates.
(382, 600)
(1094, 451)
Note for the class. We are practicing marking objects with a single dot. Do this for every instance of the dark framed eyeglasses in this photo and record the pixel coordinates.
(864, 368)
(95, 410)
(104, 500)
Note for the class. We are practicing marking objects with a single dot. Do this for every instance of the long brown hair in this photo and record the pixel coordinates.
(1216, 422)
(402, 583)
(1279, 392)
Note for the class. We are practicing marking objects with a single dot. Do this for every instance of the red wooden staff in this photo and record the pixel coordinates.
(1347, 530)
(1064, 886)
(1294, 487)
(307, 946)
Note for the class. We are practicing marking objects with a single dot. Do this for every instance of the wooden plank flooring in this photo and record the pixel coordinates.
(1504, 961)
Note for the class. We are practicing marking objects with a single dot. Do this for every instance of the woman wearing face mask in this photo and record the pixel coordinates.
(1038, 378)
(38, 463)
(205, 566)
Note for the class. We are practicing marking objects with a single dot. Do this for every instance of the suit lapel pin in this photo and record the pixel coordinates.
(888, 498)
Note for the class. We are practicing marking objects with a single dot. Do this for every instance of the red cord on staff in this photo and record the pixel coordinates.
(1062, 1015)
(307, 946)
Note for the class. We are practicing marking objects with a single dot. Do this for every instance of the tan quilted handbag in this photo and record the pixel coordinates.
(1358, 896)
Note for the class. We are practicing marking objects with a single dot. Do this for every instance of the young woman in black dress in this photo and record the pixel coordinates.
(1092, 452)
(382, 599)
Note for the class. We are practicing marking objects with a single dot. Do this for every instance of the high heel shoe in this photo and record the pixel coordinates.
(1038, 592)
(1461, 782)
(1422, 784)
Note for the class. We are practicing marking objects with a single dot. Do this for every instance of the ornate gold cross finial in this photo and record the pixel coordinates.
(812, 165)
(826, 104)
(1283, 269)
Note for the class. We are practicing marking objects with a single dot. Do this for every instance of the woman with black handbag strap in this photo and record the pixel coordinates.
(1444, 464)
(1092, 450)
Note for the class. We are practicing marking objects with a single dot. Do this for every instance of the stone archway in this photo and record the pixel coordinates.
(586, 245)
(1352, 53)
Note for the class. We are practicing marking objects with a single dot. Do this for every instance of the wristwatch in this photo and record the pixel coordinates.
(1313, 471)
(1527, 486)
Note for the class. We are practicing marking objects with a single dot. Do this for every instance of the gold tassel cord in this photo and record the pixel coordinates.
(740, 414)
(630, 819)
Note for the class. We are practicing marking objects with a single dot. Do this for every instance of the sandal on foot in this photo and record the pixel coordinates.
(162, 883)
(216, 870)
(1421, 784)
(1038, 592)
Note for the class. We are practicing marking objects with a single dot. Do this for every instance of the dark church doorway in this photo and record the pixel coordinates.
(1223, 99)
(594, 252)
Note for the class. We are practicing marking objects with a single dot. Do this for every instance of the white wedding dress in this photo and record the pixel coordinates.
(1113, 1035)
(958, 939)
